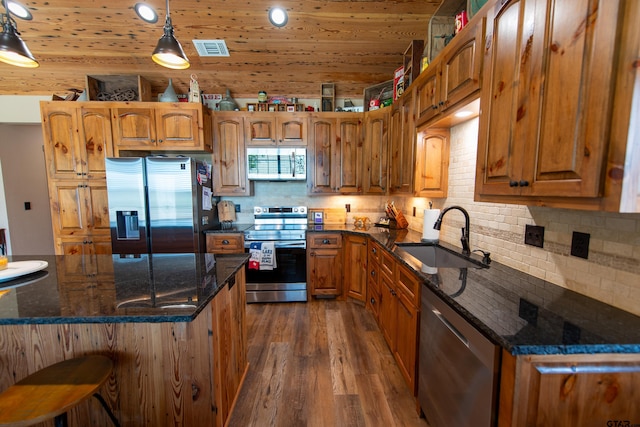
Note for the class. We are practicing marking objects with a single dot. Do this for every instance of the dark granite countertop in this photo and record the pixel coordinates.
(229, 228)
(521, 313)
(116, 289)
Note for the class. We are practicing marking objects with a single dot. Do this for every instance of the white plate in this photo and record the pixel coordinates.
(20, 268)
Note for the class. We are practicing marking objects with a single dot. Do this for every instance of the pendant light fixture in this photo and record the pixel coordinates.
(168, 52)
(13, 50)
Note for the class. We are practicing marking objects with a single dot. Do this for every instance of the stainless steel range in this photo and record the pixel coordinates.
(286, 228)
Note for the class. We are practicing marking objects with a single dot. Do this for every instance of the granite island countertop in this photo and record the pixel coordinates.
(116, 289)
(519, 312)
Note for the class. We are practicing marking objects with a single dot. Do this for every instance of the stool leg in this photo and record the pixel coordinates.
(60, 420)
(106, 408)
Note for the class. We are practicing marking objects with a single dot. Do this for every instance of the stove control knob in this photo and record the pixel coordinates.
(258, 210)
(302, 209)
(295, 209)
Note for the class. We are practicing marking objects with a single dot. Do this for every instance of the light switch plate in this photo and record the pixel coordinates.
(317, 218)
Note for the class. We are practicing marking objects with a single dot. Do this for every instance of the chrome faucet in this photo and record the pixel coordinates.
(465, 231)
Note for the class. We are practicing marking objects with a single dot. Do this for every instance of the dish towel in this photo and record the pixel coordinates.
(262, 256)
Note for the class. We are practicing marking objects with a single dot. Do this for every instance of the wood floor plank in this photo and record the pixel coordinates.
(342, 374)
(293, 348)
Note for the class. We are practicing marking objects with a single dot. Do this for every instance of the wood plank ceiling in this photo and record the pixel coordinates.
(354, 44)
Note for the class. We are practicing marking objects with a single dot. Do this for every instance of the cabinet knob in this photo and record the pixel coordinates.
(373, 273)
(373, 301)
(374, 251)
(524, 183)
(325, 241)
(153, 140)
(225, 242)
(435, 107)
(159, 141)
(513, 183)
(393, 292)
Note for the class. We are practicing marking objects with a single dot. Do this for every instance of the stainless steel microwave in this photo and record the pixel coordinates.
(277, 163)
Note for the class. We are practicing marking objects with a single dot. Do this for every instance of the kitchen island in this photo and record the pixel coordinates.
(172, 323)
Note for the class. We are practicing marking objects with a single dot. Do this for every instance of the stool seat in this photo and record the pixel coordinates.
(52, 391)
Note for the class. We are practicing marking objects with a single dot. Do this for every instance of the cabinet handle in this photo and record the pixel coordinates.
(524, 183)
(225, 242)
(78, 173)
(373, 301)
(393, 292)
(521, 183)
(435, 107)
(374, 251)
(159, 141)
(513, 183)
(325, 241)
(153, 140)
(373, 273)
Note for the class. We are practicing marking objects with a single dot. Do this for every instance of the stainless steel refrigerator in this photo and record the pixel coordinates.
(159, 204)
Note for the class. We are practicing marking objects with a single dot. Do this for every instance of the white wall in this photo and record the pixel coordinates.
(24, 178)
(21, 109)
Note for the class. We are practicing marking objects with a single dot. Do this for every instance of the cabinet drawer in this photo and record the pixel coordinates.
(225, 243)
(324, 240)
(374, 251)
(409, 284)
(387, 264)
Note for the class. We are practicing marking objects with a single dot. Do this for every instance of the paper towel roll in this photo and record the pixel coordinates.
(429, 234)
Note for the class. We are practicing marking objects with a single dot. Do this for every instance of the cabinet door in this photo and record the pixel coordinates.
(229, 156)
(79, 208)
(292, 129)
(260, 129)
(461, 66)
(355, 276)
(402, 145)
(78, 267)
(375, 151)
(432, 162)
(348, 160)
(322, 155)
(134, 128)
(406, 347)
(232, 243)
(177, 128)
(325, 272)
(96, 141)
(427, 92)
(580, 43)
(61, 145)
(388, 311)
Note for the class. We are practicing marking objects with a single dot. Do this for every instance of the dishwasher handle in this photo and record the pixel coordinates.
(452, 328)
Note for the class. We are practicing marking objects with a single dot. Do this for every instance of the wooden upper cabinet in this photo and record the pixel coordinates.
(230, 177)
(403, 137)
(454, 77)
(77, 140)
(348, 162)
(376, 151)
(335, 158)
(432, 162)
(276, 129)
(549, 72)
(162, 126)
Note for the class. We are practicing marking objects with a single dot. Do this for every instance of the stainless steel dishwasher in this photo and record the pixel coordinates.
(458, 368)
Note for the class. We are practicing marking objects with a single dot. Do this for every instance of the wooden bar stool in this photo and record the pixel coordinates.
(52, 391)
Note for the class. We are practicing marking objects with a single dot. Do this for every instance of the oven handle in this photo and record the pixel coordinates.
(282, 244)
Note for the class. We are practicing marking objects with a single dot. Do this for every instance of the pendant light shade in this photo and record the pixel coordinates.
(13, 50)
(168, 52)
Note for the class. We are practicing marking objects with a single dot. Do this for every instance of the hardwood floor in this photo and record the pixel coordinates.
(323, 363)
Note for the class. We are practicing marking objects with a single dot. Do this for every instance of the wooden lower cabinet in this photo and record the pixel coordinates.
(569, 390)
(355, 260)
(398, 316)
(373, 278)
(324, 264)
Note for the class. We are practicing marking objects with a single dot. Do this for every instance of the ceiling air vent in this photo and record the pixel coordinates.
(211, 47)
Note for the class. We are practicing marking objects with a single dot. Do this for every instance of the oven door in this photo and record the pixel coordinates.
(285, 283)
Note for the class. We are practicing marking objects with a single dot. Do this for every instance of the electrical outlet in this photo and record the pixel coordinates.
(347, 207)
(237, 208)
(580, 244)
(534, 235)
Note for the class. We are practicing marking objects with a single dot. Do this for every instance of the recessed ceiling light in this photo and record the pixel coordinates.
(278, 16)
(18, 10)
(146, 13)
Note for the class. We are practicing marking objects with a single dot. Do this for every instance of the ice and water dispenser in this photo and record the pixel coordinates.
(127, 225)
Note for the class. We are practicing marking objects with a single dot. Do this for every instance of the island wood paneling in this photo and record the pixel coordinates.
(163, 372)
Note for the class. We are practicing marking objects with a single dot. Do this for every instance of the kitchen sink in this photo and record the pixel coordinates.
(436, 256)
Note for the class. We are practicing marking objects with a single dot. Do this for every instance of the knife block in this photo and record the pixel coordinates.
(399, 222)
